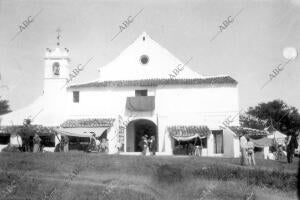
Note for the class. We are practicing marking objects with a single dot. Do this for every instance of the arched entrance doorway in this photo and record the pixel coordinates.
(135, 130)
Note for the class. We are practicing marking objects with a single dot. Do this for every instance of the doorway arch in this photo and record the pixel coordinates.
(134, 132)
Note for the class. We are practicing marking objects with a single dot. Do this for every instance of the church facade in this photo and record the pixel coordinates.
(144, 91)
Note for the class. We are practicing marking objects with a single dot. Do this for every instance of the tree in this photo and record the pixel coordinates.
(27, 131)
(253, 122)
(4, 107)
(276, 113)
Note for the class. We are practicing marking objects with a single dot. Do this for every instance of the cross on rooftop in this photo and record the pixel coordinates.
(58, 36)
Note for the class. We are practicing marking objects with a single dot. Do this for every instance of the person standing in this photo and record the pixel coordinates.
(145, 144)
(291, 145)
(66, 143)
(198, 150)
(93, 142)
(250, 152)
(152, 145)
(243, 145)
(119, 146)
(102, 145)
(36, 143)
(98, 143)
(106, 150)
(191, 149)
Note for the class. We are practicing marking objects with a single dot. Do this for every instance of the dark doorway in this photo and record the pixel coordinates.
(218, 141)
(137, 129)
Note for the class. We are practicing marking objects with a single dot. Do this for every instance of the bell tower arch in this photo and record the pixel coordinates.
(56, 71)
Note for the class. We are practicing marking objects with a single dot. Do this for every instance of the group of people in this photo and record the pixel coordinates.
(99, 146)
(247, 151)
(148, 145)
(63, 146)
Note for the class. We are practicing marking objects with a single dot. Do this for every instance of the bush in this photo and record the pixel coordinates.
(10, 148)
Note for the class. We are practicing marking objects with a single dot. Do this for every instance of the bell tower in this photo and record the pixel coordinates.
(56, 70)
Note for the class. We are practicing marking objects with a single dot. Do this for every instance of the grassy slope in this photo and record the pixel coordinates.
(92, 176)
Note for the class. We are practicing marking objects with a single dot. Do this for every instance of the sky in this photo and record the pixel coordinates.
(248, 49)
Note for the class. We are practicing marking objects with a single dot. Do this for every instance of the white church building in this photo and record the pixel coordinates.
(144, 91)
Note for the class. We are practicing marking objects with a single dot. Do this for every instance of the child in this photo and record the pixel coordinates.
(250, 151)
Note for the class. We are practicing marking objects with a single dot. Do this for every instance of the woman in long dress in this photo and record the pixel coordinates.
(66, 143)
(145, 145)
(36, 143)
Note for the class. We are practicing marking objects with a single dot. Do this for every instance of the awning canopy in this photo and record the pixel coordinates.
(85, 127)
(185, 133)
(140, 103)
(278, 137)
(88, 123)
(82, 132)
(239, 130)
(263, 142)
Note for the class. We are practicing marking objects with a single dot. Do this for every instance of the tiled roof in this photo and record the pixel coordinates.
(248, 131)
(29, 130)
(88, 123)
(188, 131)
(156, 82)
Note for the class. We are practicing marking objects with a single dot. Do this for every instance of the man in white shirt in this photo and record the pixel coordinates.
(243, 145)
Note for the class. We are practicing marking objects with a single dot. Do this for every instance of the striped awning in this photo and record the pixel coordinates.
(248, 131)
(263, 142)
(188, 132)
(88, 123)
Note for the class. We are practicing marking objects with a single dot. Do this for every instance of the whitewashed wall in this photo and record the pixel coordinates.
(228, 145)
(187, 105)
(192, 101)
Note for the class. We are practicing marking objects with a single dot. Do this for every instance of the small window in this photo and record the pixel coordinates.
(76, 96)
(55, 68)
(144, 59)
(141, 93)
